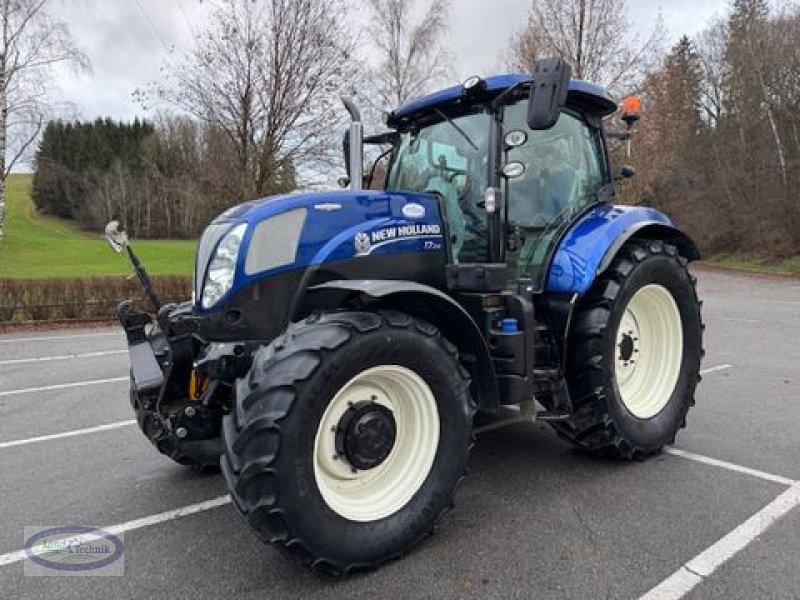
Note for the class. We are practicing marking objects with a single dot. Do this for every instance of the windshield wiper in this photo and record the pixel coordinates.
(456, 127)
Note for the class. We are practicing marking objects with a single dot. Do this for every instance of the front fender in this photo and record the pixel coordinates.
(590, 244)
(429, 304)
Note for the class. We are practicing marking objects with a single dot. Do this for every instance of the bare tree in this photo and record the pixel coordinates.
(751, 48)
(411, 55)
(712, 46)
(593, 35)
(33, 43)
(267, 74)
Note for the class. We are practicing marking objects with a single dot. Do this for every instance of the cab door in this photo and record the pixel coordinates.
(563, 172)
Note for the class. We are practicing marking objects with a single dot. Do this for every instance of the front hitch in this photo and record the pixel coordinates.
(145, 370)
(170, 368)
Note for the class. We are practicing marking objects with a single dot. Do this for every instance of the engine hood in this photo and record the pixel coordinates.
(331, 201)
(330, 226)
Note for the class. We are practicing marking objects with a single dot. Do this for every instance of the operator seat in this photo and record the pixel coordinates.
(559, 190)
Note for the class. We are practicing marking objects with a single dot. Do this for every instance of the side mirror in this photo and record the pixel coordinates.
(548, 92)
(116, 237)
(625, 172)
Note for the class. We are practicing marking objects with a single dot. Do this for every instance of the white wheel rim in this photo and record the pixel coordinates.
(372, 494)
(648, 351)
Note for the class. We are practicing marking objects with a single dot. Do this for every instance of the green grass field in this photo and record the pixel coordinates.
(789, 266)
(39, 246)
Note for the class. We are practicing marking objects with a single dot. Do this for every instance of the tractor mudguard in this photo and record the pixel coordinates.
(426, 303)
(590, 244)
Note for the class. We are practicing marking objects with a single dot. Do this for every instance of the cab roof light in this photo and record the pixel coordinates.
(631, 108)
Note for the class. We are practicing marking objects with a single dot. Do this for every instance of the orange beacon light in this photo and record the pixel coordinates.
(631, 107)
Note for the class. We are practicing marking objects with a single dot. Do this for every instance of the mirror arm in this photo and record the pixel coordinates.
(498, 102)
(144, 279)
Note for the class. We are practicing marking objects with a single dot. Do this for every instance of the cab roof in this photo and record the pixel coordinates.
(592, 98)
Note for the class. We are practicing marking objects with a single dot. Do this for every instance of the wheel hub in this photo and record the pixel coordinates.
(376, 443)
(626, 346)
(366, 434)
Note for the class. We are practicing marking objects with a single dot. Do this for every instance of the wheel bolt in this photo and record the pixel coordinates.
(189, 411)
(181, 432)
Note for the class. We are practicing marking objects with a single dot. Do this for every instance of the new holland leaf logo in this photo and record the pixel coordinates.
(362, 243)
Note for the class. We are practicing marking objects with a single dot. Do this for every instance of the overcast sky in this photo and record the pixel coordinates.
(129, 41)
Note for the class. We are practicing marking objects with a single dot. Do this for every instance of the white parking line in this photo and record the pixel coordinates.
(714, 369)
(22, 361)
(62, 386)
(48, 338)
(704, 564)
(738, 319)
(177, 513)
(728, 465)
(66, 434)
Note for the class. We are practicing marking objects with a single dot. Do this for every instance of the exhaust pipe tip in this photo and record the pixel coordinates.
(355, 158)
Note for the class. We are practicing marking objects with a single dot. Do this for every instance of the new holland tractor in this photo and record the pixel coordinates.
(339, 343)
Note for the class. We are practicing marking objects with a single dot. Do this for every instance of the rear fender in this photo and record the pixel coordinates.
(592, 242)
(426, 303)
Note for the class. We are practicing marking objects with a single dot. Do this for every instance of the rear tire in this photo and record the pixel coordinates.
(293, 414)
(633, 353)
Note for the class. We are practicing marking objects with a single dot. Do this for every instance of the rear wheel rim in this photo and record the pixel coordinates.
(648, 351)
(378, 492)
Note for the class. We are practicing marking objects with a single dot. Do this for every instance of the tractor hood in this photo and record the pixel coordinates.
(266, 237)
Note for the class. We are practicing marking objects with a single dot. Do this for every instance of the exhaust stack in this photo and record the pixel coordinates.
(355, 157)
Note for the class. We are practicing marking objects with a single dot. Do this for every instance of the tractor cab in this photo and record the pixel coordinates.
(509, 185)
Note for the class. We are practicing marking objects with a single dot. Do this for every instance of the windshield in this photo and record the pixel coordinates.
(449, 158)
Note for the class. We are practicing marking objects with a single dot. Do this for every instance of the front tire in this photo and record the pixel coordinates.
(633, 353)
(349, 438)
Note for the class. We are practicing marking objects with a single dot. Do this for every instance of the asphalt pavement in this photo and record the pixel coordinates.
(536, 519)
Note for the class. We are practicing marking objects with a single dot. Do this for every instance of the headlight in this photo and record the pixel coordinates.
(222, 269)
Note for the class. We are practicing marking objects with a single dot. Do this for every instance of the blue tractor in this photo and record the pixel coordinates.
(338, 344)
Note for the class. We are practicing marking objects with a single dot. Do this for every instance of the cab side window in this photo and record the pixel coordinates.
(563, 169)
